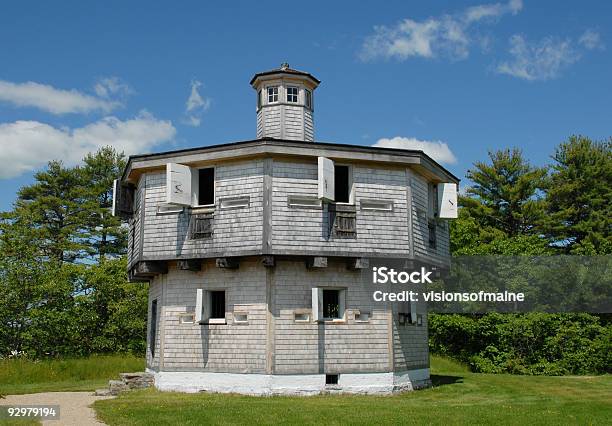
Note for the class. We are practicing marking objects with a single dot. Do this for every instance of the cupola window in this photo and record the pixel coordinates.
(272, 94)
(308, 98)
(259, 99)
(292, 94)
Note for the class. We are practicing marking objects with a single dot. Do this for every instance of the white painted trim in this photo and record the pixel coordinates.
(290, 384)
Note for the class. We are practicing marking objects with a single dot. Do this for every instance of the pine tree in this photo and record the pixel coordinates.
(103, 232)
(55, 205)
(579, 198)
(506, 194)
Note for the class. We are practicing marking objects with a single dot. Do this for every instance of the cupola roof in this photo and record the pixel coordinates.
(284, 69)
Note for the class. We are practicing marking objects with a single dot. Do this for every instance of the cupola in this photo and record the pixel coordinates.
(285, 103)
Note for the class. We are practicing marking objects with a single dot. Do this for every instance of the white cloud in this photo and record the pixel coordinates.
(437, 150)
(591, 39)
(26, 145)
(540, 60)
(447, 35)
(109, 87)
(196, 105)
(50, 99)
(495, 10)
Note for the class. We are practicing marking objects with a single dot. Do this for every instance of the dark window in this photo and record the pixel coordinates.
(331, 379)
(153, 328)
(292, 94)
(331, 304)
(259, 99)
(308, 98)
(341, 184)
(206, 186)
(431, 225)
(217, 304)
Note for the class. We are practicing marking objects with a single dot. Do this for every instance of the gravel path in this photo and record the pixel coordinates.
(75, 407)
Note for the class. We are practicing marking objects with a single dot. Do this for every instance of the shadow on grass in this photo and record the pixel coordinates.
(439, 380)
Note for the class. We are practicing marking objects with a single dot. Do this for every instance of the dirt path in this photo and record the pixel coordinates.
(75, 407)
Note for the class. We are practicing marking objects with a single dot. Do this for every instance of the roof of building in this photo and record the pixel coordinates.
(285, 69)
(267, 146)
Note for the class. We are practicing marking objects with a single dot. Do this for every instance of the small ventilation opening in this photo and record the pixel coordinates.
(331, 379)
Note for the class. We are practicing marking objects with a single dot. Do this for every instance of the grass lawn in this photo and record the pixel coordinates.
(458, 397)
(18, 376)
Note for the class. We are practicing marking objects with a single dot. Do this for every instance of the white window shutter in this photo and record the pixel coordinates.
(123, 199)
(178, 184)
(116, 192)
(413, 312)
(326, 179)
(447, 200)
(198, 308)
(317, 304)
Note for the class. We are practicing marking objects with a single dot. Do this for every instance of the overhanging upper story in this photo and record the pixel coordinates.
(266, 197)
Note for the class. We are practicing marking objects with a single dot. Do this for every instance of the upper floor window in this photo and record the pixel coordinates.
(259, 99)
(272, 94)
(308, 94)
(206, 186)
(217, 304)
(342, 183)
(292, 94)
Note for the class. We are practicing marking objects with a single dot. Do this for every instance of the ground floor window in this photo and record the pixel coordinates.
(331, 304)
(328, 304)
(217, 304)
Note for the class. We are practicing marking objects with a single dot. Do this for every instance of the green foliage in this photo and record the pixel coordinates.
(120, 308)
(55, 207)
(103, 232)
(22, 375)
(579, 196)
(63, 283)
(535, 343)
(505, 194)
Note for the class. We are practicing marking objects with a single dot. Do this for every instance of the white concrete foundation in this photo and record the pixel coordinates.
(293, 384)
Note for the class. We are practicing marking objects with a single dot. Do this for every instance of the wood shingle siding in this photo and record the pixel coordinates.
(167, 236)
(377, 232)
(293, 229)
(297, 347)
(216, 347)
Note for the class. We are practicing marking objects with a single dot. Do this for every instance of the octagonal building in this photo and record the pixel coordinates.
(256, 253)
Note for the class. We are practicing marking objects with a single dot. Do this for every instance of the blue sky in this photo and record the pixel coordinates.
(456, 78)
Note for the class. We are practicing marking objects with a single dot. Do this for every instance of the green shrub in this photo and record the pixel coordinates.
(535, 343)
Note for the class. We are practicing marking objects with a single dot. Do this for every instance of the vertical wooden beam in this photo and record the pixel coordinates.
(270, 347)
(142, 194)
(390, 345)
(409, 203)
(267, 206)
(162, 319)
